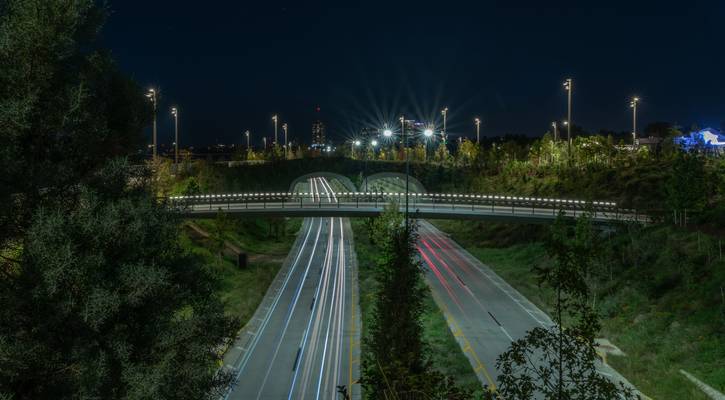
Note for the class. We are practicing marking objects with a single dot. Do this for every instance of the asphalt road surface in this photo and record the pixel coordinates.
(303, 341)
(484, 312)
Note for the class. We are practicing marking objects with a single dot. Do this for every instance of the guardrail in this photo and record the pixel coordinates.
(435, 204)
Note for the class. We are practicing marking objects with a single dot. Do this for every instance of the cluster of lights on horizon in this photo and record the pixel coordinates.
(428, 132)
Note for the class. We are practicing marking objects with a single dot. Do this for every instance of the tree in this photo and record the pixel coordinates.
(192, 188)
(65, 109)
(419, 152)
(560, 362)
(222, 223)
(104, 303)
(98, 298)
(397, 363)
(442, 156)
(467, 153)
(686, 187)
(395, 340)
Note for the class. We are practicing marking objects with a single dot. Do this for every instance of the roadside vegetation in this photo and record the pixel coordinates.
(98, 298)
(266, 244)
(438, 365)
(445, 353)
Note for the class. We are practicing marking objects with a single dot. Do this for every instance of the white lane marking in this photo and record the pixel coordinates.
(506, 333)
(316, 310)
(477, 264)
(289, 316)
(318, 307)
(252, 347)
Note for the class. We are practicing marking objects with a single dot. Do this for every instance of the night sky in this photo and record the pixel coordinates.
(230, 65)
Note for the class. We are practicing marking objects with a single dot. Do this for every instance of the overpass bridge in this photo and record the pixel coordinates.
(421, 205)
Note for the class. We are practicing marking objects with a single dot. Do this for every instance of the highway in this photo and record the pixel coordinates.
(303, 340)
(484, 312)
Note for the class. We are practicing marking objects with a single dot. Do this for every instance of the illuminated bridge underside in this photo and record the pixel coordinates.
(428, 206)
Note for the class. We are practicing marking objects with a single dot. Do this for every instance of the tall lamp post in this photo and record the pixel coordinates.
(175, 113)
(555, 126)
(152, 96)
(633, 105)
(373, 144)
(478, 130)
(284, 128)
(568, 86)
(274, 118)
(246, 133)
(428, 133)
(353, 144)
(444, 112)
(407, 165)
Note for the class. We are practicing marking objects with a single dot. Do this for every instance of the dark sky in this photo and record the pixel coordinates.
(230, 65)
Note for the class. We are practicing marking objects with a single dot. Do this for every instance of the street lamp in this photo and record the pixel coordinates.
(374, 144)
(407, 166)
(151, 94)
(633, 105)
(284, 128)
(478, 129)
(553, 125)
(274, 118)
(264, 140)
(353, 144)
(428, 133)
(445, 118)
(246, 133)
(568, 86)
(175, 113)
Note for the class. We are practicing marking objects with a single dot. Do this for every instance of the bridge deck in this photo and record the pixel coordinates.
(510, 213)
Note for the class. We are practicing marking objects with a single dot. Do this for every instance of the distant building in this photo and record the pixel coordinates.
(707, 140)
(318, 134)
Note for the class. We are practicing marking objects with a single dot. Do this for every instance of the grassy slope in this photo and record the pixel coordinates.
(663, 309)
(243, 289)
(447, 355)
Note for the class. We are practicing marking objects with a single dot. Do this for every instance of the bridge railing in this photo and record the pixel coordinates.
(453, 201)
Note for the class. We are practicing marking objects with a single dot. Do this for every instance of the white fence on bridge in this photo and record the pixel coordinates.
(423, 205)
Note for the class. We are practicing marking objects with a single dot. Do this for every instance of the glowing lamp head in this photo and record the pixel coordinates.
(428, 132)
(374, 143)
(387, 133)
(357, 143)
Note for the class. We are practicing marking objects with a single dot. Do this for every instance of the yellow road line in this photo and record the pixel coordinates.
(352, 327)
(458, 332)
